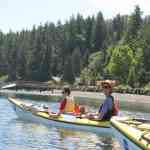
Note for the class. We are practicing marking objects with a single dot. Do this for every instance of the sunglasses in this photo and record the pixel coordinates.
(106, 87)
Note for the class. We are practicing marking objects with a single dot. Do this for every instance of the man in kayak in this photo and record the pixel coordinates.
(108, 108)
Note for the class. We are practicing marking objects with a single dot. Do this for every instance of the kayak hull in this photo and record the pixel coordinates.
(75, 124)
(129, 136)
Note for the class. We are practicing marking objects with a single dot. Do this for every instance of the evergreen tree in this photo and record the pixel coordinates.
(88, 32)
(121, 45)
(135, 22)
(76, 62)
(118, 27)
(11, 55)
(99, 33)
(80, 33)
(68, 75)
(2, 64)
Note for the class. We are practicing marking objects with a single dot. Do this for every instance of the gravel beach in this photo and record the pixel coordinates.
(92, 95)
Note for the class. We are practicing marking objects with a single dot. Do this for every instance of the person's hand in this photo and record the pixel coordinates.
(58, 114)
(54, 115)
(91, 116)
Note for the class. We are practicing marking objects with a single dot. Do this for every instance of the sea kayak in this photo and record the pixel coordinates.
(133, 134)
(30, 112)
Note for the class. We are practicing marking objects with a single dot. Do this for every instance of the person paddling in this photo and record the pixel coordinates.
(109, 107)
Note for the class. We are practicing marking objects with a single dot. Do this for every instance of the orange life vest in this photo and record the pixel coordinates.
(67, 105)
(70, 106)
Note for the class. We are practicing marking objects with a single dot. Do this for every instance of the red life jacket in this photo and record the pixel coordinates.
(115, 110)
(77, 109)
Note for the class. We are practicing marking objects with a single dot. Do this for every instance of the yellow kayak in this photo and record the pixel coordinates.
(133, 134)
(30, 112)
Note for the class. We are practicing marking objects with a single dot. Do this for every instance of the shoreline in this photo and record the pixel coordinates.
(93, 95)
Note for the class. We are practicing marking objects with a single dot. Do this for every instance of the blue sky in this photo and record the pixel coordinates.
(23, 14)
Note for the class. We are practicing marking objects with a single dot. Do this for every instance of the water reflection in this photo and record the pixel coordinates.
(37, 136)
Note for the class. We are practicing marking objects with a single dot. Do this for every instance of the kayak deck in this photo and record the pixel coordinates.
(63, 118)
(136, 130)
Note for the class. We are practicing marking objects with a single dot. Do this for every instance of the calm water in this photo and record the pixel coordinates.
(16, 134)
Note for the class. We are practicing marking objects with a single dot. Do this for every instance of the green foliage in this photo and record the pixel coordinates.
(89, 22)
(94, 70)
(76, 62)
(99, 32)
(96, 62)
(147, 86)
(92, 48)
(125, 64)
(135, 68)
(68, 74)
(145, 39)
(120, 62)
(3, 77)
(118, 27)
(123, 87)
(135, 22)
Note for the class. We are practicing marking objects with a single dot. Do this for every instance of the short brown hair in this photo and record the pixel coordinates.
(67, 90)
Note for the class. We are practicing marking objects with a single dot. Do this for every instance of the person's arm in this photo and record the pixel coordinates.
(103, 111)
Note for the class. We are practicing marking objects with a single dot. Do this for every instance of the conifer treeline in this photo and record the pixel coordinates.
(92, 48)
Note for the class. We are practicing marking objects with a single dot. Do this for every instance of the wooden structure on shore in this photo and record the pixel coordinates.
(47, 86)
(30, 85)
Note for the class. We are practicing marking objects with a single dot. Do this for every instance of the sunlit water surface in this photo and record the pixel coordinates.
(16, 134)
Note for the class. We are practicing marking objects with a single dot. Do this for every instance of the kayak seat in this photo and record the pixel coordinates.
(131, 122)
(144, 127)
(145, 136)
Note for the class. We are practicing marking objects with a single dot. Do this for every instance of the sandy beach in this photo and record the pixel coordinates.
(92, 95)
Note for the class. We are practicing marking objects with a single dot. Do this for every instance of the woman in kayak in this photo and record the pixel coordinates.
(108, 108)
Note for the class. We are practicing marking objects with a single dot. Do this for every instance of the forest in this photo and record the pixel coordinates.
(92, 48)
